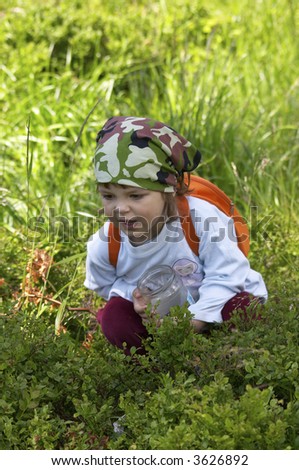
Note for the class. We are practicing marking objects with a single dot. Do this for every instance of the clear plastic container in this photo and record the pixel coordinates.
(163, 288)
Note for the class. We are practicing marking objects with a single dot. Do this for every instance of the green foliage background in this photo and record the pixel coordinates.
(224, 74)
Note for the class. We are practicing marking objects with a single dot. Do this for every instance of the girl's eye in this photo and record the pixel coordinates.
(136, 196)
(107, 197)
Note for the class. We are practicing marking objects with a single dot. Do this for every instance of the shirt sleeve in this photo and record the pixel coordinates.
(101, 275)
(225, 268)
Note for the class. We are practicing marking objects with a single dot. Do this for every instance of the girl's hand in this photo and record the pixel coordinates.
(139, 303)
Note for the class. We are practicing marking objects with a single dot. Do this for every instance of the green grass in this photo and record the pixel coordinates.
(225, 75)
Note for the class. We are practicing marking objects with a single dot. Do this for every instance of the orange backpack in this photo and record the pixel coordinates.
(202, 189)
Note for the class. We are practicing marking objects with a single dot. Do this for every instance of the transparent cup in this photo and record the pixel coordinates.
(163, 288)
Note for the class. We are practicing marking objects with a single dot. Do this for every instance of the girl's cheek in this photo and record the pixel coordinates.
(107, 209)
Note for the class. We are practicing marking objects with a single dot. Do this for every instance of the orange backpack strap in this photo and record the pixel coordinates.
(187, 224)
(206, 190)
(114, 242)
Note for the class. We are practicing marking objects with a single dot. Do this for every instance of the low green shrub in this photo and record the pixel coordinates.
(232, 390)
(55, 393)
(182, 415)
(228, 390)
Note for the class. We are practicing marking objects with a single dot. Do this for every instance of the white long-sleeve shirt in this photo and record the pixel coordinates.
(215, 276)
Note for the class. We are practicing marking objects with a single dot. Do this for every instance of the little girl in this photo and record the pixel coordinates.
(139, 166)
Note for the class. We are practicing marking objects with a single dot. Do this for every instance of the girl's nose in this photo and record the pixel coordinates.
(122, 207)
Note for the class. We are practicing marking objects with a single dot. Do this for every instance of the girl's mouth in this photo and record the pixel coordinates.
(130, 224)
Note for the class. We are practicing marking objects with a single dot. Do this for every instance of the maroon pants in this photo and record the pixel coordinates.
(123, 327)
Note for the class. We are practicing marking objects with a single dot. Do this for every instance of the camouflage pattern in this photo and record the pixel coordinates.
(144, 153)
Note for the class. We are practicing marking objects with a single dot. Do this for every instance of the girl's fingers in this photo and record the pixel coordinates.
(136, 294)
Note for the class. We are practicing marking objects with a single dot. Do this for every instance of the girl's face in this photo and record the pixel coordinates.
(140, 213)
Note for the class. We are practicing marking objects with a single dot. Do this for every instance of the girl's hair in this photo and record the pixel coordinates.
(170, 203)
(182, 188)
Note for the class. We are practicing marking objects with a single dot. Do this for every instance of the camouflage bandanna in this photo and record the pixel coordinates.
(144, 153)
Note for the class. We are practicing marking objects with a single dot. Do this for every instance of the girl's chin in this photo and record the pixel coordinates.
(136, 241)
(135, 237)
(135, 234)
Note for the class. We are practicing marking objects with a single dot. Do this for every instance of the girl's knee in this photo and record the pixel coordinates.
(245, 303)
(121, 324)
